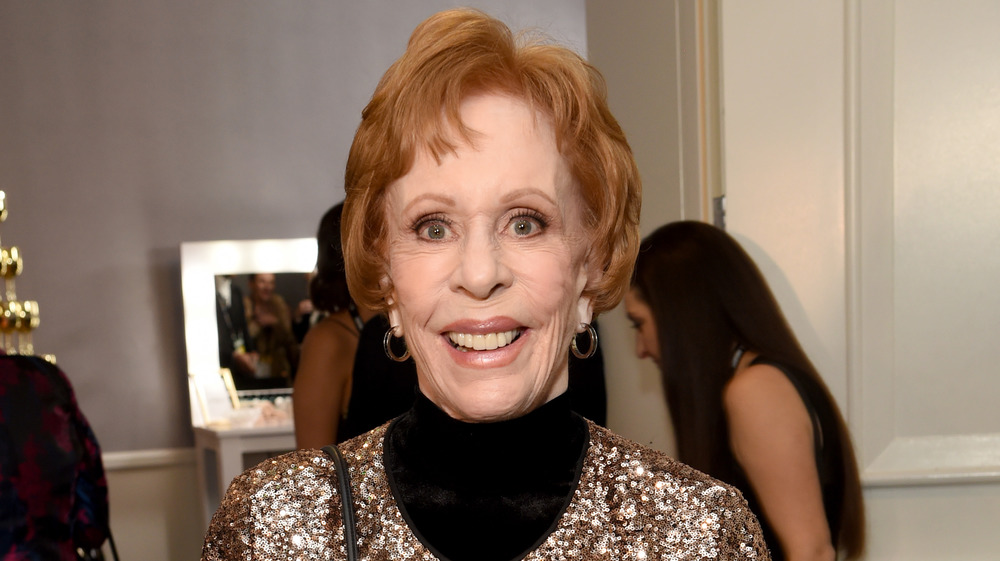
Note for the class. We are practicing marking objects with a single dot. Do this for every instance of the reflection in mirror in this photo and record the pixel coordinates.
(240, 303)
(259, 327)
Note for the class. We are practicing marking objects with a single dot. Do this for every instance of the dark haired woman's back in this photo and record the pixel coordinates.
(785, 457)
(747, 405)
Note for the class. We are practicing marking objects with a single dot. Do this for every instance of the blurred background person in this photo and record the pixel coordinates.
(747, 405)
(53, 494)
(306, 315)
(269, 324)
(236, 347)
(323, 382)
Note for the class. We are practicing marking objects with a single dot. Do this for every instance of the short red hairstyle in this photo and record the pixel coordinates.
(460, 52)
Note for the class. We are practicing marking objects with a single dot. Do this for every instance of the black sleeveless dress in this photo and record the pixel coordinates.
(828, 448)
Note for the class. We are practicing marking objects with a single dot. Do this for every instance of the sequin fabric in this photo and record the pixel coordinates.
(631, 503)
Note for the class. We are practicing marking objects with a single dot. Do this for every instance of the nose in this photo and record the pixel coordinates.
(640, 348)
(482, 270)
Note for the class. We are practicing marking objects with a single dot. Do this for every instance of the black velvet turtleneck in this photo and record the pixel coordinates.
(484, 491)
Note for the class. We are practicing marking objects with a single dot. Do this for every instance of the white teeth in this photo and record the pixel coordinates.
(483, 342)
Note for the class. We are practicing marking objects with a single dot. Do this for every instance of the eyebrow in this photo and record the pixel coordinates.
(432, 197)
(527, 191)
(443, 199)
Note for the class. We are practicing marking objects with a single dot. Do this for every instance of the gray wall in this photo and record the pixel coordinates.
(128, 127)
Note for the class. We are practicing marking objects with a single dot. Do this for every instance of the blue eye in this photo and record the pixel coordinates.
(435, 231)
(523, 226)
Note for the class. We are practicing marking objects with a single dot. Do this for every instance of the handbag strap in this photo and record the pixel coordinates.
(346, 500)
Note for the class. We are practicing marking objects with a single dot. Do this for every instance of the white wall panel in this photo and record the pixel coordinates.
(947, 216)
(887, 115)
(783, 134)
(927, 193)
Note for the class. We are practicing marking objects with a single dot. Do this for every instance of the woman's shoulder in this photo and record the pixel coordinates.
(763, 392)
(336, 324)
(672, 505)
(298, 469)
(630, 459)
(276, 506)
(278, 301)
(305, 468)
(333, 329)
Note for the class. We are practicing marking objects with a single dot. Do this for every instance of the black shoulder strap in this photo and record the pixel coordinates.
(346, 501)
(352, 309)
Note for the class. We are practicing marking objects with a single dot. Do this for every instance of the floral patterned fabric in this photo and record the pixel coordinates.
(53, 494)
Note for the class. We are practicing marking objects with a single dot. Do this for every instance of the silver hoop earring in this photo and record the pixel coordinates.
(387, 345)
(591, 350)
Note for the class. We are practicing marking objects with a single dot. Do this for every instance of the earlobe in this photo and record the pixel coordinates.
(590, 277)
(391, 311)
(394, 320)
(585, 312)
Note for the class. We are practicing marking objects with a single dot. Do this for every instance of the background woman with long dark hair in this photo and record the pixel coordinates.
(323, 381)
(748, 406)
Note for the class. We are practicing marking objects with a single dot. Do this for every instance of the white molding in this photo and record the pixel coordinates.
(928, 460)
(852, 220)
(146, 459)
(710, 117)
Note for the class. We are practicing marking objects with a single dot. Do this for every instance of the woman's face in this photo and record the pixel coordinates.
(647, 344)
(488, 260)
(263, 286)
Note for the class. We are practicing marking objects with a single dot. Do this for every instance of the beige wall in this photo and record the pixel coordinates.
(648, 53)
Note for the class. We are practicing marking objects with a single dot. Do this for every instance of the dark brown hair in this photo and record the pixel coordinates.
(328, 288)
(458, 53)
(707, 297)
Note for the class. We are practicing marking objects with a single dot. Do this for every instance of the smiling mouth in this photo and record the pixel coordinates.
(466, 342)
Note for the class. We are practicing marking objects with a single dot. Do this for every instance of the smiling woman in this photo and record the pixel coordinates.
(489, 246)
(492, 212)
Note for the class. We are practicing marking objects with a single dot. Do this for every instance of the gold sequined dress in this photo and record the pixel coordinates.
(630, 503)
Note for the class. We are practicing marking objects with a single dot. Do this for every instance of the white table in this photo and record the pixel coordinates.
(220, 456)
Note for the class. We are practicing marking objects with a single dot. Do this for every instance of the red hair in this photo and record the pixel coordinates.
(458, 53)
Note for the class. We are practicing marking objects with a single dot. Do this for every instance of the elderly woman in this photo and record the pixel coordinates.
(491, 211)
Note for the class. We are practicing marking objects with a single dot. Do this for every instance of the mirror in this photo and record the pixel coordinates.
(234, 276)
